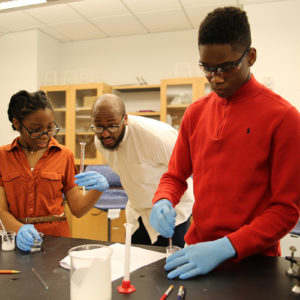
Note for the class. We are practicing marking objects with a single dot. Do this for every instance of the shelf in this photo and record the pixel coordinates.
(83, 117)
(178, 106)
(84, 132)
(83, 108)
(149, 114)
(136, 88)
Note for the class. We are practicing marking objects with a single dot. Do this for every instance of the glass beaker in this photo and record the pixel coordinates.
(90, 276)
(8, 241)
(171, 250)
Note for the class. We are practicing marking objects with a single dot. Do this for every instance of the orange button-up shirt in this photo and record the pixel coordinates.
(38, 192)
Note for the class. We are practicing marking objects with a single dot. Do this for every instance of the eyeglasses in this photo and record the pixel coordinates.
(225, 69)
(36, 134)
(110, 128)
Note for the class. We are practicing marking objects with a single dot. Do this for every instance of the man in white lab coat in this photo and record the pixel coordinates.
(138, 150)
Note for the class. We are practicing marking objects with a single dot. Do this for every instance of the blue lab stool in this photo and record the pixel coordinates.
(296, 230)
(113, 198)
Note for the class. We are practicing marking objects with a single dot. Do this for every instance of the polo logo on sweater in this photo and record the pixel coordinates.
(248, 130)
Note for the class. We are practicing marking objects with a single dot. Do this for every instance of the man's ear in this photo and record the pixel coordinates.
(251, 56)
(125, 119)
(16, 124)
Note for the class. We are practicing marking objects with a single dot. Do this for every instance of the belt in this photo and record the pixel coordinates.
(43, 219)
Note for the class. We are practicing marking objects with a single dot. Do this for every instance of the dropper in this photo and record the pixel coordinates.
(5, 232)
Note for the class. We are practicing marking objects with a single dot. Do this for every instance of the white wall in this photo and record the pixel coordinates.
(120, 60)
(27, 57)
(48, 58)
(18, 71)
(276, 36)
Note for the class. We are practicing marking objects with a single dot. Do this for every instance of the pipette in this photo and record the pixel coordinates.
(82, 153)
(126, 287)
(5, 232)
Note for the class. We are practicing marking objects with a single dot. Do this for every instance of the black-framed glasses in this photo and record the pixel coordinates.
(223, 69)
(36, 134)
(110, 128)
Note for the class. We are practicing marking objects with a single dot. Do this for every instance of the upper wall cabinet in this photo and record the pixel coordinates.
(177, 94)
(141, 100)
(72, 107)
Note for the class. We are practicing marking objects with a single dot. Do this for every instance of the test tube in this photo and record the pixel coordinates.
(128, 228)
(82, 153)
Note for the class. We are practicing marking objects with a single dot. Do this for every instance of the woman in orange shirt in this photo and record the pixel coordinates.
(35, 172)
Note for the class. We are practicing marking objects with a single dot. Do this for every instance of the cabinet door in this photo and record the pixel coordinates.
(177, 95)
(85, 96)
(141, 100)
(60, 100)
(93, 225)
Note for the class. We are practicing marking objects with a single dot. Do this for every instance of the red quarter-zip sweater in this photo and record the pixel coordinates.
(244, 154)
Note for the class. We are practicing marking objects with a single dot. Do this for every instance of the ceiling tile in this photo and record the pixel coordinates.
(164, 20)
(120, 25)
(3, 30)
(215, 3)
(81, 30)
(18, 20)
(137, 6)
(53, 14)
(197, 14)
(99, 8)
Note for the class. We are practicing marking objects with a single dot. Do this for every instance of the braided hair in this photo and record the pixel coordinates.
(227, 25)
(24, 103)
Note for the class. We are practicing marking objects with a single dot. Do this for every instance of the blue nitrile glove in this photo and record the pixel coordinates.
(92, 180)
(26, 234)
(162, 218)
(199, 259)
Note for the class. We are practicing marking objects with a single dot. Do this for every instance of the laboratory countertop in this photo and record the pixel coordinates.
(257, 277)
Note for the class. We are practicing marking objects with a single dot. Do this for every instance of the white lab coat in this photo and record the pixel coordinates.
(140, 161)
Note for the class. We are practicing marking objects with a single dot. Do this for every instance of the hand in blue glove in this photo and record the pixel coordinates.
(199, 259)
(25, 237)
(162, 218)
(92, 180)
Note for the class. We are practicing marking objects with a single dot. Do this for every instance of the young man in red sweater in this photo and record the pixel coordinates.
(242, 145)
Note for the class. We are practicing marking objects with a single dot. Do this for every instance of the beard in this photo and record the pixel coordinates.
(116, 145)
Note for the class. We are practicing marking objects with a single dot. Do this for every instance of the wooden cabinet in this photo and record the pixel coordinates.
(177, 94)
(141, 100)
(94, 226)
(72, 106)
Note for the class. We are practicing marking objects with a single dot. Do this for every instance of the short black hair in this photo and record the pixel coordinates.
(24, 103)
(226, 25)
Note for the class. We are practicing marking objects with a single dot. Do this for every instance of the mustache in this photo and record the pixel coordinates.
(106, 138)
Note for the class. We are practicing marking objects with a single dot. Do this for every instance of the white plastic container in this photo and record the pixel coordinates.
(90, 276)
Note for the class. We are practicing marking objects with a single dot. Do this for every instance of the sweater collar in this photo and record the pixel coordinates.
(247, 91)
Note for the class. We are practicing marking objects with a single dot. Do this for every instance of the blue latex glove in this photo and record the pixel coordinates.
(199, 259)
(162, 218)
(25, 237)
(92, 180)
